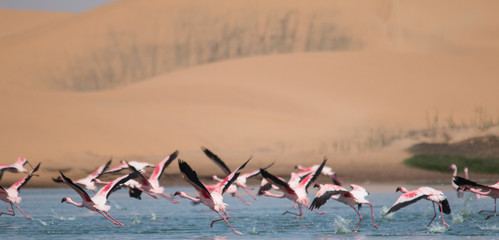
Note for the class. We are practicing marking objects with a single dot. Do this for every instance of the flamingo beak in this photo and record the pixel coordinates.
(398, 189)
(63, 200)
(316, 185)
(176, 193)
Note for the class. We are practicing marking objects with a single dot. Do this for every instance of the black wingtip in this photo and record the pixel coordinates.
(445, 206)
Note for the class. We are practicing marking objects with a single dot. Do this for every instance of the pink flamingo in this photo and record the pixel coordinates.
(327, 171)
(428, 193)
(98, 202)
(489, 191)
(17, 167)
(213, 199)
(355, 197)
(139, 166)
(89, 181)
(295, 189)
(151, 186)
(11, 194)
(239, 182)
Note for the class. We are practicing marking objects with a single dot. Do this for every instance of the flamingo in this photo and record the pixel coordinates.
(11, 194)
(213, 199)
(489, 191)
(295, 189)
(89, 181)
(356, 196)
(239, 182)
(428, 193)
(459, 191)
(97, 203)
(17, 167)
(327, 171)
(151, 186)
(139, 166)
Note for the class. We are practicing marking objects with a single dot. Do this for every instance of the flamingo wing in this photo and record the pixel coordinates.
(84, 195)
(463, 182)
(17, 186)
(99, 171)
(122, 166)
(192, 178)
(325, 192)
(3, 191)
(143, 180)
(216, 159)
(312, 177)
(255, 173)
(282, 185)
(160, 168)
(223, 185)
(405, 200)
(105, 191)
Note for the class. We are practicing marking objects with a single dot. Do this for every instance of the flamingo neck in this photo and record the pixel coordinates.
(70, 201)
(184, 195)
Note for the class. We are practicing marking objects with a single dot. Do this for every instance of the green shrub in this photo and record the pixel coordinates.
(441, 163)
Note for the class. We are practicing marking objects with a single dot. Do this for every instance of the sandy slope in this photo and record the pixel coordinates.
(17, 22)
(288, 108)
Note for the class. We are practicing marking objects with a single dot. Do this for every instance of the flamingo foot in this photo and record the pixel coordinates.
(493, 215)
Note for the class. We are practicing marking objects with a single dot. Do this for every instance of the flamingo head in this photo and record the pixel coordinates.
(399, 189)
(64, 199)
(452, 167)
(176, 193)
(317, 185)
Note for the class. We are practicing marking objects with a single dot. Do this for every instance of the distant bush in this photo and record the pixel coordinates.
(441, 163)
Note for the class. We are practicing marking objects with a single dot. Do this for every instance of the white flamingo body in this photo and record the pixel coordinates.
(11, 194)
(212, 196)
(428, 193)
(352, 198)
(97, 203)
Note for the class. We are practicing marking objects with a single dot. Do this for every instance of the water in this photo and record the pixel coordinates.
(159, 219)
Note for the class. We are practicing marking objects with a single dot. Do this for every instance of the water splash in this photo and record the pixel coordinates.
(488, 227)
(253, 231)
(42, 222)
(136, 221)
(341, 225)
(154, 216)
(383, 212)
(437, 228)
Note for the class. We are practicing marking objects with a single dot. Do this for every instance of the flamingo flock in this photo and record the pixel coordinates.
(138, 181)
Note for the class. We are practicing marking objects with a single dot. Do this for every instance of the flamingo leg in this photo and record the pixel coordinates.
(435, 210)
(148, 193)
(11, 209)
(442, 212)
(246, 190)
(297, 214)
(372, 215)
(114, 221)
(225, 219)
(169, 199)
(240, 198)
(495, 205)
(28, 217)
(320, 213)
(360, 219)
(12, 213)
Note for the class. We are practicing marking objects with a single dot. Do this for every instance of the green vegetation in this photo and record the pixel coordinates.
(441, 163)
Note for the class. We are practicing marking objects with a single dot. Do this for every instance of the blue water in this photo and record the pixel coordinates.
(159, 219)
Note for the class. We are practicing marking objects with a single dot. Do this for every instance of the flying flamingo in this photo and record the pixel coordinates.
(427, 193)
(355, 197)
(295, 189)
(327, 171)
(459, 191)
(239, 182)
(11, 194)
(151, 186)
(98, 202)
(489, 191)
(139, 166)
(17, 167)
(213, 199)
(89, 181)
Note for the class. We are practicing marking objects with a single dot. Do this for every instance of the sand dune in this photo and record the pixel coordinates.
(324, 81)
